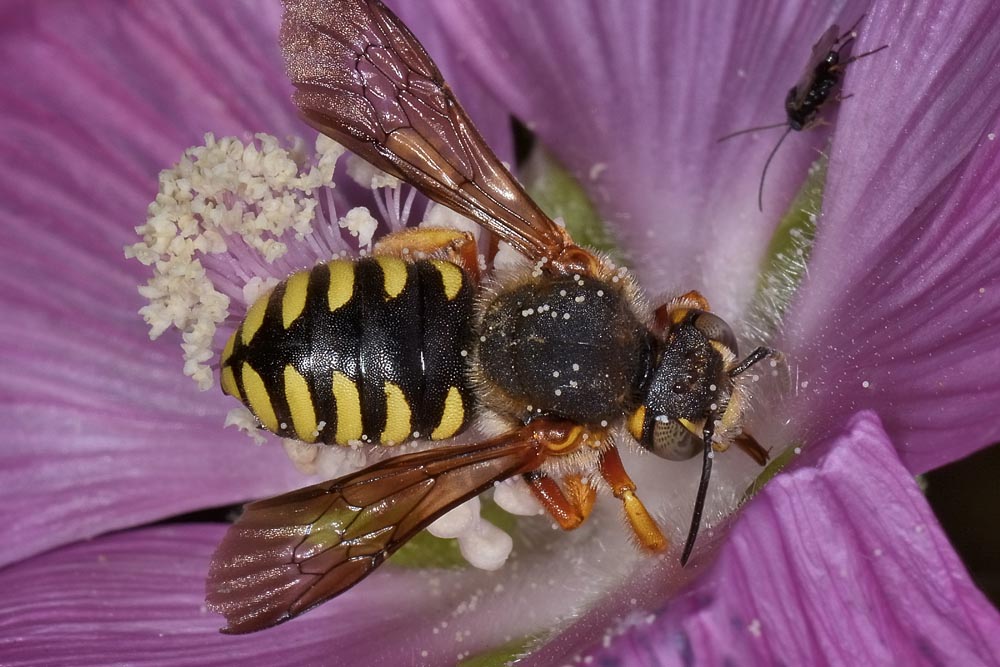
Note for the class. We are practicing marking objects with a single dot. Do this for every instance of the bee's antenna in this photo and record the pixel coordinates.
(763, 174)
(751, 129)
(699, 503)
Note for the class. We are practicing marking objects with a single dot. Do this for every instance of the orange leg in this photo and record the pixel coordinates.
(581, 494)
(646, 530)
(752, 448)
(568, 512)
(492, 246)
(452, 244)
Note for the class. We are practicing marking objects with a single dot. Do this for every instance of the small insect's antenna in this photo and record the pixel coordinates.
(763, 174)
(751, 129)
(852, 31)
(699, 502)
(861, 55)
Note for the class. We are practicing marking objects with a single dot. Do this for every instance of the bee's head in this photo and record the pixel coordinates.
(687, 386)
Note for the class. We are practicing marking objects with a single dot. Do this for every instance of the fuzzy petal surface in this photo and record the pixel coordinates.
(103, 431)
(137, 598)
(839, 562)
(101, 428)
(901, 309)
(633, 97)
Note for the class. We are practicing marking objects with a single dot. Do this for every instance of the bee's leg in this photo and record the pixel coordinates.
(582, 494)
(492, 246)
(649, 534)
(752, 448)
(414, 243)
(568, 512)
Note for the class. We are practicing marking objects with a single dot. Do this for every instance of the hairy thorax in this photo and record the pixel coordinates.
(568, 346)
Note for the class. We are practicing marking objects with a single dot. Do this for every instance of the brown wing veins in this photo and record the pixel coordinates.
(363, 79)
(288, 554)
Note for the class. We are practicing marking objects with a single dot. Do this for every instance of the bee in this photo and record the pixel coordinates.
(412, 342)
(807, 98)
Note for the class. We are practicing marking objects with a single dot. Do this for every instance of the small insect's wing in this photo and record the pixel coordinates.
(364, 80)
(820, 50)
(287, 554)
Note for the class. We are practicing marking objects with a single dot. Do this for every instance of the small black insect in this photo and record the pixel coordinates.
(806, 99)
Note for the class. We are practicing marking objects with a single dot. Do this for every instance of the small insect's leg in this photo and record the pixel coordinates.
(649, 534)
(752, 448)
(454, 245)
(568, 513)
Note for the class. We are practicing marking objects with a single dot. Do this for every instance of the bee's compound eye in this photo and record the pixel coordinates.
(716, 329)
(670, 440)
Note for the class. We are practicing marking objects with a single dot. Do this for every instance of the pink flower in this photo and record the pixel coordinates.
(895, 332)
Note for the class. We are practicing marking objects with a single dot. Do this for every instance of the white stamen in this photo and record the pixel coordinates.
(515, 497)
(361, 224)
(367, 176)
(225, 209)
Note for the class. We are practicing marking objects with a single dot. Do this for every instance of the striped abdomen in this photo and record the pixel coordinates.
(369, 350)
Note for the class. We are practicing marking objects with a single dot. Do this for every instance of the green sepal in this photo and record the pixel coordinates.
(502, 655)
(561, 195)
(773, 468)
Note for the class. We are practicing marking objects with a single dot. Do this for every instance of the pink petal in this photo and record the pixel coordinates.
(633, 100)
(840, 561)
(901, 311)
(137, 598)
(102, 430)
(490, 116)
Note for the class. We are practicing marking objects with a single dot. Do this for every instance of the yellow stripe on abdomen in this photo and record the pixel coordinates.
(227, 377)
(345, 394)
(294, 300)
(451, 277)
(254, 318)
(258, 399)
(451, 417)
(341, 283)
(228, 381)
(397, 415)
(394, 275)
(300, 405)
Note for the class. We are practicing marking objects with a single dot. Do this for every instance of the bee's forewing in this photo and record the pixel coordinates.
(288, 554)
(363, 79)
